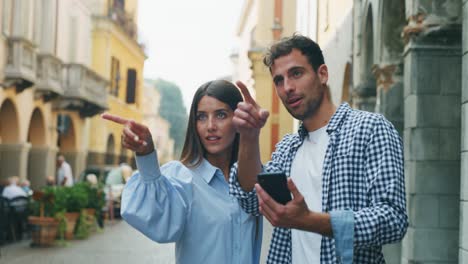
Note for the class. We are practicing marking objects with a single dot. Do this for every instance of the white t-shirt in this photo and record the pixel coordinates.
(65, 172)
(306, 173)
(12, 191)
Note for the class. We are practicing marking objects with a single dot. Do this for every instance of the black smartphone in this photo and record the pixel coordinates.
(275, 184)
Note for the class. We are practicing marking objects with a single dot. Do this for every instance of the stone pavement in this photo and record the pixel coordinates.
(117, 244)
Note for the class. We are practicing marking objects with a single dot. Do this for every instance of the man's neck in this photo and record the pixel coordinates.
(321, 117)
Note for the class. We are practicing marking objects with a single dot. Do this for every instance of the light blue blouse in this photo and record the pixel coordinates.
(191, 207)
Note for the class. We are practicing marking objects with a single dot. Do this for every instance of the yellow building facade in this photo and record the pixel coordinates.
(47, 89)
(256, 33)
(119, 58)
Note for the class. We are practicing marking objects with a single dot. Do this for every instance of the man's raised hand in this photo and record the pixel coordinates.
(135, 136)
(249, 117)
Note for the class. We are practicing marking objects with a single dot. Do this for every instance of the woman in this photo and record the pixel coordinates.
(187, 201)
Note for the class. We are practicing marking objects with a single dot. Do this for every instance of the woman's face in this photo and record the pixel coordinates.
(214, 126)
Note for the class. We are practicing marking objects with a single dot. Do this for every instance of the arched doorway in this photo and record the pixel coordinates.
(389, 72)
(8, 123)
(123, 155)
(110, 149)
(67, 142)
(346, 84)
(39, 155)
(9, 138)
(364, 94)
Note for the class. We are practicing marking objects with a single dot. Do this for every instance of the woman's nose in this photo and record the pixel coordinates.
(211, 124)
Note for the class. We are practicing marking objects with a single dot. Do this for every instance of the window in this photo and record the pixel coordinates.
(131, 86)
(74, 31)
(115, 76)
(7, 16)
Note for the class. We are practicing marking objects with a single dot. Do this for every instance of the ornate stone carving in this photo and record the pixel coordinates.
(432, 16)
(384, 75)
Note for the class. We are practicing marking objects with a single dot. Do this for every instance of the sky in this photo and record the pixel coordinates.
(188, 42)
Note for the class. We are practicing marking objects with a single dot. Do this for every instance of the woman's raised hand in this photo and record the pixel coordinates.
(135, 136)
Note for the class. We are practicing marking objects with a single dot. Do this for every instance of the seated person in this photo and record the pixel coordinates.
(50, 181)
(12, 190)
(26, 186)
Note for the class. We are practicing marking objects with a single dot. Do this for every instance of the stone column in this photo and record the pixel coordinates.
(463, 251)
(432, 90)
(390, 93)
(363, 96)
(14, 161)
(41, 164)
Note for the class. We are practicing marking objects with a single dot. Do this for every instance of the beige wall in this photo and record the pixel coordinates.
(329, 22)
(2, 44)
(25, 104)
(34, 143)
(331, 17)
(255, 35)
(158, 126)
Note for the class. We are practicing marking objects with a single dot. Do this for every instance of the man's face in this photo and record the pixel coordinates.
(300, 88)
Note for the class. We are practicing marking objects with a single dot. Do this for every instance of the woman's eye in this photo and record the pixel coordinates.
(201, 117)
(221, 115)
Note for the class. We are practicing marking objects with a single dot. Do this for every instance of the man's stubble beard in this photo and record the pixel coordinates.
(311, 107)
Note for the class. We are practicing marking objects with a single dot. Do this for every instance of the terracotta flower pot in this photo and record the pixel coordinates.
(70, 219)
(44, 230)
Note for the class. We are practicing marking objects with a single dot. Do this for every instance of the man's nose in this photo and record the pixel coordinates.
(289, 85)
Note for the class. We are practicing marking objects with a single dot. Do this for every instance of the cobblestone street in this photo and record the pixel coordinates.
(118, 243)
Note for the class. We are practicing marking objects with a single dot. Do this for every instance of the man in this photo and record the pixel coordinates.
(64, 172)
(345, 168)
(12, 190)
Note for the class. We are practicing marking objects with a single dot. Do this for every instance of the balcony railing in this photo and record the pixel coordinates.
(84, 90)
(49, 76)
(124, 21)
(20, 68)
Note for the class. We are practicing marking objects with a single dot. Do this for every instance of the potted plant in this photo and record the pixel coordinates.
(70, 201)
(83, 226)
(96, 201)
(44, 225)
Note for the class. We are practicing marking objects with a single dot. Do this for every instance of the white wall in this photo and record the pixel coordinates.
(74, 32)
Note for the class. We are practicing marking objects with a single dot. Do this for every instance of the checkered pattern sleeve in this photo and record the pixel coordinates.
(247, 200)
(384, 220)
(281, 159)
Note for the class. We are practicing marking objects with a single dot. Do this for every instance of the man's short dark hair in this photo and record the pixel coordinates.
(305, 45)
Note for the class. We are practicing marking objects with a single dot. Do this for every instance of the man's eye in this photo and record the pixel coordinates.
(278, 82)
(297, 73)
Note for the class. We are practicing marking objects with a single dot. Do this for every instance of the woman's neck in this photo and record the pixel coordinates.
(220, 161)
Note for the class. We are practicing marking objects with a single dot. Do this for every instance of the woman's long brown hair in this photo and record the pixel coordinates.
(193, 151)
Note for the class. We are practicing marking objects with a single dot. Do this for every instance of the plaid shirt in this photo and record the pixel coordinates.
(362, 174)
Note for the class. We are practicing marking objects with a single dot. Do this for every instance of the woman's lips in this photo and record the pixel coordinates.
(212, 138)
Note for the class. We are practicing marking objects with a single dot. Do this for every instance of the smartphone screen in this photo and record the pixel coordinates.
(275, 184)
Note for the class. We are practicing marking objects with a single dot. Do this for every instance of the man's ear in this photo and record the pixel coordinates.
(322, 73)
